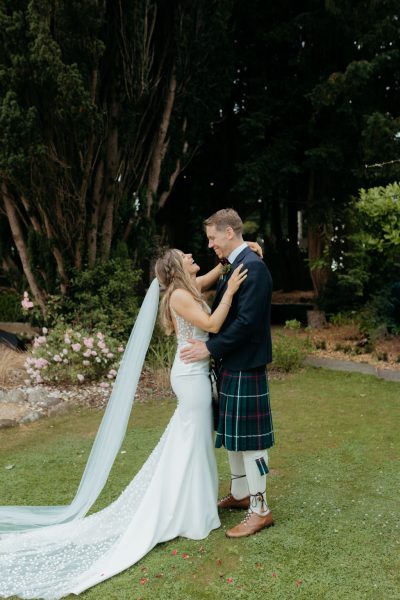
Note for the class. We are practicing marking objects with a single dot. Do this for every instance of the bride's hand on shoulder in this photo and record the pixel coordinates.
(236, 279)
(255, 247)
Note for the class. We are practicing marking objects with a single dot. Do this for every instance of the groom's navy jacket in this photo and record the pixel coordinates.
(244, 340)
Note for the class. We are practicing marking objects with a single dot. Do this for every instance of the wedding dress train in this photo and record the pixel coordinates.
(173, 494)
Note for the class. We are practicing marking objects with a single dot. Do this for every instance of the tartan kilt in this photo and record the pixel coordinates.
(245, 420)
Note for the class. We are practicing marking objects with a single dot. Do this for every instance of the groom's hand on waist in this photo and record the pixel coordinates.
(196, 351)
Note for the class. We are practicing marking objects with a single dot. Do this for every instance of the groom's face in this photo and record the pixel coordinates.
(219, 241)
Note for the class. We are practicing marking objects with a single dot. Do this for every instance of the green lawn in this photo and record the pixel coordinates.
(334, 492)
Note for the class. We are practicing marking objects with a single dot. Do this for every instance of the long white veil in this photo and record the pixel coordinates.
(109, 436)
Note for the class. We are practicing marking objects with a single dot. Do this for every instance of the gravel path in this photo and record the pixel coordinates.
(353, 367)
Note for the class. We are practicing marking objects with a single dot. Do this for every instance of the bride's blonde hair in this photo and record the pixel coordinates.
(171, 276)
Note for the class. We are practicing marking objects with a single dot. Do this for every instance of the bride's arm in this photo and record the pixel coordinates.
(208, 280)
(186, 306)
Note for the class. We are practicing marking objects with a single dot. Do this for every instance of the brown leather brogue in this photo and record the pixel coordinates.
(252, 523)
(230, 502)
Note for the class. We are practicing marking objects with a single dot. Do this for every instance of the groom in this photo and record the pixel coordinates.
(241, 349)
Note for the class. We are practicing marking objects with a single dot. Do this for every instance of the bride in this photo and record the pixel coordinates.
(174, 493)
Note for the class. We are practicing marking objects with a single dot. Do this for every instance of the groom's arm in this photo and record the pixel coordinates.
(252, 296)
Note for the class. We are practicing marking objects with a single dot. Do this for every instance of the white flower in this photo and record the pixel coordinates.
(45, 331)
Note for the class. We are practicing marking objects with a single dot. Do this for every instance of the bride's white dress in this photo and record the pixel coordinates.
(174, 494)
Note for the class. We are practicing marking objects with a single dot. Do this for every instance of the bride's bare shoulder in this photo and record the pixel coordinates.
(180, 297)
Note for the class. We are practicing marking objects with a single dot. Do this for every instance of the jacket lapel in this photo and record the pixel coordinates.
(221, 286)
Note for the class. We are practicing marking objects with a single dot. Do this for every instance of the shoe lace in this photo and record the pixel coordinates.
(247, 517)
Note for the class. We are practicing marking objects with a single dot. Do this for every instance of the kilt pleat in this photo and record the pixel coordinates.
(245, 420)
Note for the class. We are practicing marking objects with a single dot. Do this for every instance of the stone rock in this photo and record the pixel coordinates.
(16, 396)
(51, 402)
(2, 395)
(11, 410)
(4, 423)
(59, 409)
(30, 417)
(35, 396)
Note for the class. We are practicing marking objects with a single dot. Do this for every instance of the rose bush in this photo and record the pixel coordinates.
(73, 355)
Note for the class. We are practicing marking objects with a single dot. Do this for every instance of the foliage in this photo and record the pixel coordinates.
(292, 324)
(343, 318)
(101, 107)
(314, 100)
(105, 297)
(159, 359)
(66, 355)
(382, 313)
(368, 267)
(10, 306)
(289, 353)
(161, 351)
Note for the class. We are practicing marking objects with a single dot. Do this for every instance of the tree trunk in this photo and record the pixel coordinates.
(35, 223)
(21, 247)
(111, 183)
(94, 216)
(316, 244)
(58, 257)
(174, 175)
(161, 145)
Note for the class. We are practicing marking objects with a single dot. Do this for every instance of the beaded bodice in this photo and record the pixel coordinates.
(186, 330)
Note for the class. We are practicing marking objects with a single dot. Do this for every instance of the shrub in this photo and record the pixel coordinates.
(10, 306)
(292, 324)
(105, 297)
(160, 357)
(73, 356)
(161, 352)
(383, 309)
(289, 353)
(343, 318)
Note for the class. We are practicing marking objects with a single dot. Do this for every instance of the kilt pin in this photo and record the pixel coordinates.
(241, 351)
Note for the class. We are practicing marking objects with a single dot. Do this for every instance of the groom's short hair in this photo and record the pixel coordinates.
(226, 217)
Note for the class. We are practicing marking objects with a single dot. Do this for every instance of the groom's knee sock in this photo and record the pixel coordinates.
(256, 467)
(239, 487)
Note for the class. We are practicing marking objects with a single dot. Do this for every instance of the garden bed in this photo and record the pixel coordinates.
(345, 342)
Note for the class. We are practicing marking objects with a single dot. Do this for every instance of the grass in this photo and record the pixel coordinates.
(333, 490)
